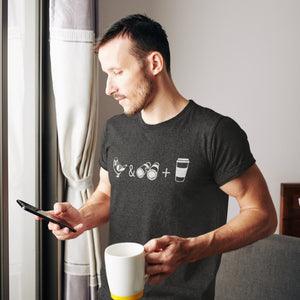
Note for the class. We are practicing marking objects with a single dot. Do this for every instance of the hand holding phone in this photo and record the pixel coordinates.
(44, 215)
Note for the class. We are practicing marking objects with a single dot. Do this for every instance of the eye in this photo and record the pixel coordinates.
(118, 72)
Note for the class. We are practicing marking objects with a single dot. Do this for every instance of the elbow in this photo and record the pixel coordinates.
(274, 223)
(270, 222)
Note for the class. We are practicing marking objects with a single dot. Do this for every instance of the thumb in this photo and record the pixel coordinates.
(60, 208)
(79, 227)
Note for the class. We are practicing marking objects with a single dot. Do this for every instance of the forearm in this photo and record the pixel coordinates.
(248, 227)
(95, 211)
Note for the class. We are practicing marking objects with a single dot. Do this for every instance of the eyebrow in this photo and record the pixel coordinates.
(112, 69)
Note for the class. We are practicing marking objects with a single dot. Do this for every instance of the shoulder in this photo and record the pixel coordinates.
(206, 118)
(213, 119)
(204, 112)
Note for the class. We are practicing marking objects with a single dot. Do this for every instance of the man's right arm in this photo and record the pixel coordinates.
(93, 213)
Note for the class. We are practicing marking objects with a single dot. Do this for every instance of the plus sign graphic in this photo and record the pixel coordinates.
(166, 172)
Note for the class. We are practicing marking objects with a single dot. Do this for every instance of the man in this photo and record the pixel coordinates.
(167, 168)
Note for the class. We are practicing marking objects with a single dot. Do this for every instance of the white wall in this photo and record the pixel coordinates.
(241, 58)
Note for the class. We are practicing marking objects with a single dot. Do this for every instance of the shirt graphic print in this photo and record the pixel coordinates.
(152, 170)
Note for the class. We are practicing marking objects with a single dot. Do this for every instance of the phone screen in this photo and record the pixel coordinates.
(44, 215)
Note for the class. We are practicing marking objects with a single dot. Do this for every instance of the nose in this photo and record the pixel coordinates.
(110, 86)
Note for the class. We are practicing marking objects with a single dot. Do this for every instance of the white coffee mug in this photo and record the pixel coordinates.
(125, 270)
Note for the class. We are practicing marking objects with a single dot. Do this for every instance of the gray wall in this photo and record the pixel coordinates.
(240, 58)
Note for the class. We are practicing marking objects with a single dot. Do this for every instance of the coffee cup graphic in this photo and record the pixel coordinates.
(182, 165)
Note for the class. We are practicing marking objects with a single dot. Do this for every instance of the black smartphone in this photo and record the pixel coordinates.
(42, 214)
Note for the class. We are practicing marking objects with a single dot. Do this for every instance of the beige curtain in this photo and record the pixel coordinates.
(72, 64)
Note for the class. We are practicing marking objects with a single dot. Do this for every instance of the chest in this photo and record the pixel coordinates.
(164, 159)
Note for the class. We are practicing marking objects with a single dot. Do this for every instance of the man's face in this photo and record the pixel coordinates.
(127, 78)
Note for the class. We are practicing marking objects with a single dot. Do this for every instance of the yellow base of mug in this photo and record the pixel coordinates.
(134, 297)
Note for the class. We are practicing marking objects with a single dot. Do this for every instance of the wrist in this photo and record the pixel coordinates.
(84, 217)
(197, 247)
(192, 250)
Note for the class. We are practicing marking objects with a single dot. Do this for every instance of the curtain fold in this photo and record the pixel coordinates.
(72, 65)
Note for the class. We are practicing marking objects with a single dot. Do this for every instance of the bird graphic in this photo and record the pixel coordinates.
(118, 168)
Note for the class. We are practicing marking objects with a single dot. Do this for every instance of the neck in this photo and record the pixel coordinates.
(166, 103)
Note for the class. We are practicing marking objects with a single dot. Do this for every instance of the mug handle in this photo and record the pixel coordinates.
(146, 276)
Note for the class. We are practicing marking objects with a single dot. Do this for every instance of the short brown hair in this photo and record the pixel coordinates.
(147, 34)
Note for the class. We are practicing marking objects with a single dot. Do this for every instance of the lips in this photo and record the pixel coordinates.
(119, 97)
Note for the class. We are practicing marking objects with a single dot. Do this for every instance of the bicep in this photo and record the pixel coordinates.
(250, 189)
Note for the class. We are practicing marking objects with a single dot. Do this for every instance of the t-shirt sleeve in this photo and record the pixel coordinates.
(231, 154)
(103, 148)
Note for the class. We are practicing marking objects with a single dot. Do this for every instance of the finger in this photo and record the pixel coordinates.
(156, 269)
(50, 226)
(64, 234)
(155, 279)
(60, 233)
(157, 244)
(53, 226)
(65, 231)
(154, 258)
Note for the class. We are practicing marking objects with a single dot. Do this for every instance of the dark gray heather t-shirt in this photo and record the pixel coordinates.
(165, 180)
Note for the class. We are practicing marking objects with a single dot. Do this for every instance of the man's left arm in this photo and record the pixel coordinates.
(257, 219)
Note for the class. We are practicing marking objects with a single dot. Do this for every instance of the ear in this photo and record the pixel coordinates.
(156, 62)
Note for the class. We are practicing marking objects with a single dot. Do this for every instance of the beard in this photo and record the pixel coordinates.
(141, 98)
